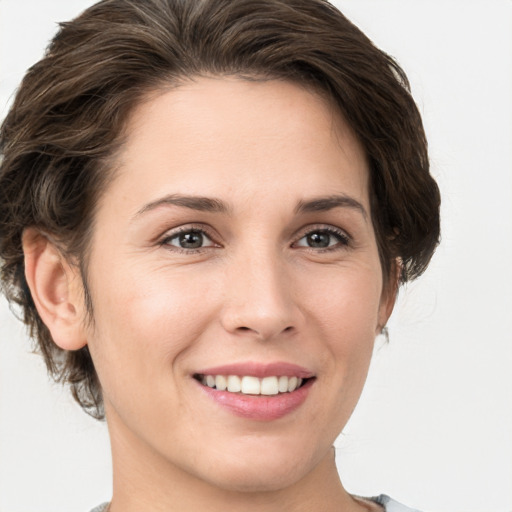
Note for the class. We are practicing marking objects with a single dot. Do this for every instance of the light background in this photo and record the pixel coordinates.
(434, 426)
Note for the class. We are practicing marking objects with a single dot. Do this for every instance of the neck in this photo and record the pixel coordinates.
(144, 481)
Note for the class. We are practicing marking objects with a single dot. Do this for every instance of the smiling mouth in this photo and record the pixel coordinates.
(250, 385)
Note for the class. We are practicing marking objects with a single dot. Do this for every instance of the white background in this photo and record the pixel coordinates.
(434, 426)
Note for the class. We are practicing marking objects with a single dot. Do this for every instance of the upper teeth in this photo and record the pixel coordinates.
(250, 385)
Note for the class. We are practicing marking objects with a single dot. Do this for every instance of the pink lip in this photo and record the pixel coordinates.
(259, 407)
(260, 370)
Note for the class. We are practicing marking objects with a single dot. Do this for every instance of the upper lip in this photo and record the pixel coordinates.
(259, 370)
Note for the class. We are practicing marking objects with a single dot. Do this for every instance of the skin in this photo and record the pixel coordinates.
(255, 291)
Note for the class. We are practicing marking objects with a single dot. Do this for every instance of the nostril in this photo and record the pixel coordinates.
(243, 328)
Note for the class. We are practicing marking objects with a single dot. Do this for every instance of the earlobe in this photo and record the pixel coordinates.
(53, 284)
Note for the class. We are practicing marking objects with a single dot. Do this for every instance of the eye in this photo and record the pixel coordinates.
(190, 239)
(323, 239)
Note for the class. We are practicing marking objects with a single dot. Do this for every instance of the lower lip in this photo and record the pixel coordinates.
(260, 407)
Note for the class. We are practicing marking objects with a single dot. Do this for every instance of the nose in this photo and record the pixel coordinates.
(259, 298)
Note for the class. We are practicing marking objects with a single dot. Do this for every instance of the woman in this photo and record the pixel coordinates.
(207, 208)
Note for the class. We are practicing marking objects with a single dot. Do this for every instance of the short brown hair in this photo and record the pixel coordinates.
(70, 109)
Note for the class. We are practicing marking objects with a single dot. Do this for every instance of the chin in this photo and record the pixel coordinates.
(266, 471)
(258, 480)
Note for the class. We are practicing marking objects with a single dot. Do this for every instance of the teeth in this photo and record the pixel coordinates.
(269, 386)
(234, 384)
(282, 385)
(249, 385)
(292, 383)
(221, 383)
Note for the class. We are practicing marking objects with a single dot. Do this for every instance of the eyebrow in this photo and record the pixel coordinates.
(323, 204)
(203, 204)
(213, 205)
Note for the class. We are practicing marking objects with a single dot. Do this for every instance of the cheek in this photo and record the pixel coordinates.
(345, 300)
(345, 307)
(148, 309)
(145, 326)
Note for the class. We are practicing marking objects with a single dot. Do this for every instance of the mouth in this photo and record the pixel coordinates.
(260, 392)
(250, 385)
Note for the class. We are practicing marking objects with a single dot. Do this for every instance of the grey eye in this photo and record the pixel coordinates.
(193, 239)
(319, 239)
(323, 239)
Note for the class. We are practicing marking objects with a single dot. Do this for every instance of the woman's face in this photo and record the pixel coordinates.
(234, 247)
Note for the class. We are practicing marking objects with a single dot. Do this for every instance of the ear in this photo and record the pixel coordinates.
(56, 290)
(389, 294)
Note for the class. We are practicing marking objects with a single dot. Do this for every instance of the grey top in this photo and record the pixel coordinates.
(100, 508)
(392, 505)
(388, 504)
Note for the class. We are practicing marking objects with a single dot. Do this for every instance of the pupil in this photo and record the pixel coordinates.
(191, 240)
(319, 239)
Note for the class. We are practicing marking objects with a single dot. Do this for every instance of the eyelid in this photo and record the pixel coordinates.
(212, 236)
(185, 228)
(343, 234)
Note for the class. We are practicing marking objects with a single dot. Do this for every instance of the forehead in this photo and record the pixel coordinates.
(222, 135)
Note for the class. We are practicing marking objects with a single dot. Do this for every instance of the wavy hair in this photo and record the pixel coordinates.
(67, 118)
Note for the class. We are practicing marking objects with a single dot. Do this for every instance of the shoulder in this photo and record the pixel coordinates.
(100, 508)
(391, 505)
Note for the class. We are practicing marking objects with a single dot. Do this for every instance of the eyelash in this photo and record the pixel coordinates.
(343, 239)
(166, 240)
